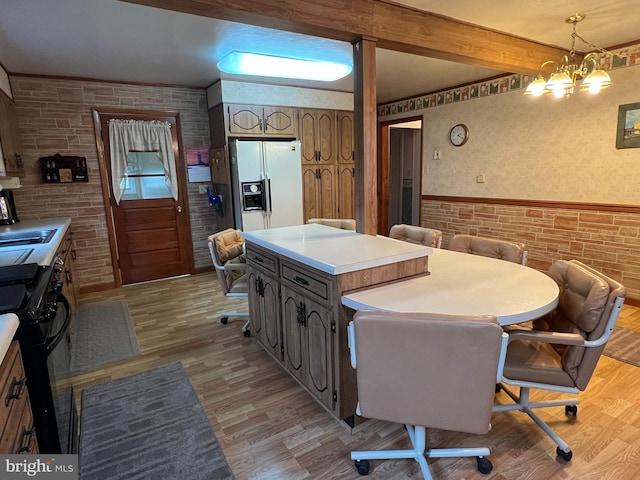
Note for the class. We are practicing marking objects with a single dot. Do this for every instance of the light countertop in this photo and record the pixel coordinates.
(40, 253)
(8, 326)
(333, 250)
(465, 284)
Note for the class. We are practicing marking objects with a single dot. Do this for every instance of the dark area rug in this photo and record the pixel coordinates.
(104, 334)
(624, 345)
(148, 426)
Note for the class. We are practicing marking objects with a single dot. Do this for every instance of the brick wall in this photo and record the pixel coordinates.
(606, 240)
(54, 116)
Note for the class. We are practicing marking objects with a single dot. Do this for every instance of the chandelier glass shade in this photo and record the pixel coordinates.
(562, 81)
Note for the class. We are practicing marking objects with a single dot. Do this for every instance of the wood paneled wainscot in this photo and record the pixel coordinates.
(296, 277)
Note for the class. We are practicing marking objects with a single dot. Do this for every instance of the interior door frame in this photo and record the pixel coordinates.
(105, 181)
(384, 165)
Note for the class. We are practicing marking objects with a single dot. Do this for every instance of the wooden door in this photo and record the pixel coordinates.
(346, 191)
(151, 232)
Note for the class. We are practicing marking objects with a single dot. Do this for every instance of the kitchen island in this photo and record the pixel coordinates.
(296, 277)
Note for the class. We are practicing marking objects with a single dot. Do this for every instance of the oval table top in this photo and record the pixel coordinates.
(465, 284)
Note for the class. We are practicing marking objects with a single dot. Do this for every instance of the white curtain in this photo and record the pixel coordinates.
(141, 135)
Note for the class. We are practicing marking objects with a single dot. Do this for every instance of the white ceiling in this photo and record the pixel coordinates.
(113, 40)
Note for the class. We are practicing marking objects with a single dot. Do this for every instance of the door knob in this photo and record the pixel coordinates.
(179, 208)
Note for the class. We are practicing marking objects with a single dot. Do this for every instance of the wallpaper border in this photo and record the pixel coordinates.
(496, 86)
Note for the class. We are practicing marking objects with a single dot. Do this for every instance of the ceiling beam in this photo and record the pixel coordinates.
(395, 27)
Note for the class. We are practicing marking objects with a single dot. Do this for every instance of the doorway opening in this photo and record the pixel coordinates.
(399, 173)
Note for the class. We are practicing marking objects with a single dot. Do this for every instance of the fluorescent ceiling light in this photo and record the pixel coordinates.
(242, 63)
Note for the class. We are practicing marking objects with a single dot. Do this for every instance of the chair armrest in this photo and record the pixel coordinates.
(547, 337)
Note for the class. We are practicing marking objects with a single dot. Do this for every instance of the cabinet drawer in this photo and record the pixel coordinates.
(262, 260)
(13, 386)
(318, 287)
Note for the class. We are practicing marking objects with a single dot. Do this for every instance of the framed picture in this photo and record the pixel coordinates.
(628, 134)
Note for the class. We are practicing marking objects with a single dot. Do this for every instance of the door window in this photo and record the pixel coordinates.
(145, 177)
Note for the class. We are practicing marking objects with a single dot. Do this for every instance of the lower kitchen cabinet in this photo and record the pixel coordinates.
(17, 433)
(308, 344)
(264, 306)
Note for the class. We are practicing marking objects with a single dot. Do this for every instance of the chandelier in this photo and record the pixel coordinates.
(562, 82)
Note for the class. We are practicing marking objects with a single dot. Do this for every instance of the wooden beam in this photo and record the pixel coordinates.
(395, 27)
(365, 126)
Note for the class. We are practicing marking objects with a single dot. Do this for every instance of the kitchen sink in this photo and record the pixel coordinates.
(27, 237)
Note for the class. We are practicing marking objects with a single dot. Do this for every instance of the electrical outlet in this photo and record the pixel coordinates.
(202, 188)
(481, 178)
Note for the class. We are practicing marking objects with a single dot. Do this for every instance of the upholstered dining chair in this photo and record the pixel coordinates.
(343, 223)
(426, 371)
(490, 247)
(414, 234)
(561, 351)
(227, 252)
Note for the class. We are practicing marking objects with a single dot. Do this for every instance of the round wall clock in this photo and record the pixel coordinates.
(459, 135)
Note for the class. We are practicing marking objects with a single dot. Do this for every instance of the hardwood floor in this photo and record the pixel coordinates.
(270, 428)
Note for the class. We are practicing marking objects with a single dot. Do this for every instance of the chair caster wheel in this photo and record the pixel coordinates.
(247, 333)
(566, 456)
(224, 320)
(484, 465)
(571, 410)
(362, 466)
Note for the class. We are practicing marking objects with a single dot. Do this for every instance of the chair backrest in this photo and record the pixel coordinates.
(586, 304)
(226, 246)
(490, 247)
(419, 235)
(432, 370)
(343, 223)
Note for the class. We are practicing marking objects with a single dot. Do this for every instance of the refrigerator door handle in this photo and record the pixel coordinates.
(269, 209)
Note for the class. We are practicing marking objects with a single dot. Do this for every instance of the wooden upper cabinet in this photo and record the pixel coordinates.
(344, 129)
(255, 121)
(10, 138)
(317, 133)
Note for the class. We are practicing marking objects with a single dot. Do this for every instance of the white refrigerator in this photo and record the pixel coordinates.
(266, 179)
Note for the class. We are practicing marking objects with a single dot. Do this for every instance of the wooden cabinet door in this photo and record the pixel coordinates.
(307, 133)
(317, 136)
(327, 192)
(319, 352)
(245, 119)
(280, 121)
(293, 334)
(326, 137)
(346, 191)
(319, 191)
(344, 134)
(272, 330)
(256, 314)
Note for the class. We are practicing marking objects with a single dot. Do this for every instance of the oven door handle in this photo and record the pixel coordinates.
(53, 341)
